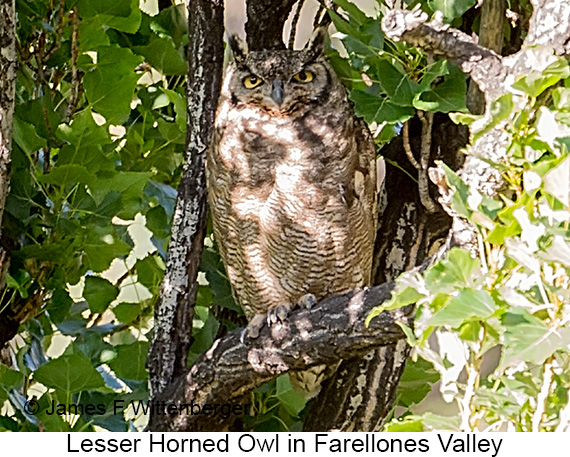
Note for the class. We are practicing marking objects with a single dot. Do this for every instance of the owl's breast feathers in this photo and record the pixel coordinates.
(293, 203)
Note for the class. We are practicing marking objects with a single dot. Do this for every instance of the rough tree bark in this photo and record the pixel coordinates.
(8, 69)
(230, 369)
(265, 20)
(364, 389)
(174, 310)
(491, 37)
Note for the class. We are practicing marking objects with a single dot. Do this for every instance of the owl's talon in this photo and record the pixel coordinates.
(253, 328)
(281, 313)
(277, 314)
(308, 301)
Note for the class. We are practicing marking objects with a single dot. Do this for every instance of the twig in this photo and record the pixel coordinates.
(408, 147)
(423, 181)
(465, 403)
(74, 91)
(58, 32)
(543, 395)
(294, 22)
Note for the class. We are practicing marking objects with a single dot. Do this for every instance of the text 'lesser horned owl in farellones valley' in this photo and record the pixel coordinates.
(291, 177)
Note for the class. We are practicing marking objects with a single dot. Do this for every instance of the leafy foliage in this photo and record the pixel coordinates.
(98, 142)
(515, 297)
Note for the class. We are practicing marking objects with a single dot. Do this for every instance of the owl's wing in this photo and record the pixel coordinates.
(366, 186)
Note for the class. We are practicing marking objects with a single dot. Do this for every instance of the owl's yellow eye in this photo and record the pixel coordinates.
(251, 81)
(304, 76)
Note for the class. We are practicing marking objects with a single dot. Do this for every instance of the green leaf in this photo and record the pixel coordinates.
(217, 279)
(445, 97)
(68, 174)
(179, 102)
(99, 293)
(92, 35)
(292, 400)
(203, 336)
(469, 304)
(500, 110)
(535, 83)
(561, 98)
(150, 271)
(129, 183)
(123, 15)
(110, 83)
(130, 361)
(10, 379)
(85, 139)
(379, 109)
(529, 339)
(70, 374)
(399, 299)
(400, 89)
(162, 55)
(358, 16)
(101, 247)
(451, 8)
(26, 137)
(346, 28)
(127, 312)
(408, 424)
(457, 270)
(59, 305)
(432, 72)
(83, 131)
(416, 382)
(172, 22)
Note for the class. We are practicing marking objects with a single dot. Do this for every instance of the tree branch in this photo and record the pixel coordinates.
(8, 70)
(265, 20)
(491, 37)
(331, 331)
(550, 25)
(174, 310)
(482, 64)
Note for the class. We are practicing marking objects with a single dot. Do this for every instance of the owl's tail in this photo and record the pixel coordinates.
(308, 382)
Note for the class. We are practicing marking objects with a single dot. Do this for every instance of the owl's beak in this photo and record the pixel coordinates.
(277, 91)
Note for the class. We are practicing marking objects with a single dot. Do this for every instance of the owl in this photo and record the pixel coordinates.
(291, 176)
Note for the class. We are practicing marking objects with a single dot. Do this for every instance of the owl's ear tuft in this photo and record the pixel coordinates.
(316, 44)
(238, 47)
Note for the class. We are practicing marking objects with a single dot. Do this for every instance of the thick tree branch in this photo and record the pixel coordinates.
(265, 20)
(550, 25)
(491, 37)
(174, 310)
(332, 331)
(482, 64)
(8, 70)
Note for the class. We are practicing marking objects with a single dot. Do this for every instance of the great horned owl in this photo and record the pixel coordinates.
(291, 176)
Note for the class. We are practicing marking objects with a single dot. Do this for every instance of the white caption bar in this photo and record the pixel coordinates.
(257, 444)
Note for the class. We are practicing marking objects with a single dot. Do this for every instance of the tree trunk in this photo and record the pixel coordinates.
(8, 70)
(174, 310)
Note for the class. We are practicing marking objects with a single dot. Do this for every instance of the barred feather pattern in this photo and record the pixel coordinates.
(291, 187)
